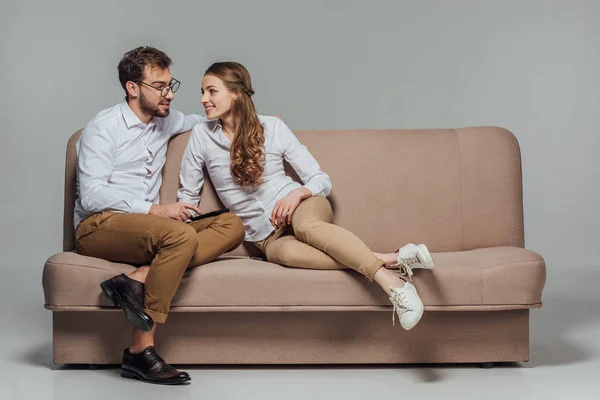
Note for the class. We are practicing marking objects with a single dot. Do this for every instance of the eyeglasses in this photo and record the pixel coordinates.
(164, 90)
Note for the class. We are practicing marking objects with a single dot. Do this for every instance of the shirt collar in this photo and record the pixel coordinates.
(131, 119)
(216, 124)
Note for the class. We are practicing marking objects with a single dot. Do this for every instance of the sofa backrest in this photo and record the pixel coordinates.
(453, 189)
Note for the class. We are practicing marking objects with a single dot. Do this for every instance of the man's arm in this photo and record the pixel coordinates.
(95, 160)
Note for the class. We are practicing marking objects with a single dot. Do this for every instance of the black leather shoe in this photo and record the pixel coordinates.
(128, 294)
(149, 367)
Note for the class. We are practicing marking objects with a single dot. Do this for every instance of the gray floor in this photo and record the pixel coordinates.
(565, 359)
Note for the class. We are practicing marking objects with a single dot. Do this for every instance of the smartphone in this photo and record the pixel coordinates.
(210, 214)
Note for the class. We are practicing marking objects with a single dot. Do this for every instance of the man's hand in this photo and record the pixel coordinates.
(284, 208)
(176, 211)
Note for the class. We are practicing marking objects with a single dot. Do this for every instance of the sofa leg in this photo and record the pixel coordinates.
(486, 365)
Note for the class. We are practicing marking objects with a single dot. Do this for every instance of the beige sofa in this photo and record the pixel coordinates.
(458, 191)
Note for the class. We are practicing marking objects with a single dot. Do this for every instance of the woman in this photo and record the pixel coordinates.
(290, 223)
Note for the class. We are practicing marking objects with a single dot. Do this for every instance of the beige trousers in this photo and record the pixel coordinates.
(313, 241)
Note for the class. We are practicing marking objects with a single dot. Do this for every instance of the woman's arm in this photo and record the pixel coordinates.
(305, 165)
(316, 182)
(191, 175)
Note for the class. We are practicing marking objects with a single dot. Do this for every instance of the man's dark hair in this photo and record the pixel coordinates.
(131, 67)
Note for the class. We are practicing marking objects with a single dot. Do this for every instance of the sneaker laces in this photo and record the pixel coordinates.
(404, 264)
(404, 269)
(400, 304)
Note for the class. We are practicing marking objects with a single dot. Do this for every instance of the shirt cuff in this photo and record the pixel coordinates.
(313, 187)
(141, 207)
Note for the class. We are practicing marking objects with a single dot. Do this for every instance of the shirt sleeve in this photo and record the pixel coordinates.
(178, 122)
(95, 160)
(191, 174)
(305, 165)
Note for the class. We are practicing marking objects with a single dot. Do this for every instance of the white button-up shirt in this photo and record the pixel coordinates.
(208, 146)
(120, 160)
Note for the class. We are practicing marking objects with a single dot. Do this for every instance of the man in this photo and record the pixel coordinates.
(121, 153)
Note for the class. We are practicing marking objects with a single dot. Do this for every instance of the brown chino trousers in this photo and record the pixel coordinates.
(170, 247)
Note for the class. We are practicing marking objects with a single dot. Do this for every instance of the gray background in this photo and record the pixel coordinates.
(529, 66)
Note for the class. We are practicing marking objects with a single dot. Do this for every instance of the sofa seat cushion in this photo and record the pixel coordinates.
(487, 279)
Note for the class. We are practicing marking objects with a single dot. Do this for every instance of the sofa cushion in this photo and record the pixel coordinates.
(454, 189)
(486, 279)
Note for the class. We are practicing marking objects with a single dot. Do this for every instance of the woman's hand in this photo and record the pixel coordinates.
(284, 208)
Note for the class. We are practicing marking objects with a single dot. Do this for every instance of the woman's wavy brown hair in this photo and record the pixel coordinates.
(247, 158)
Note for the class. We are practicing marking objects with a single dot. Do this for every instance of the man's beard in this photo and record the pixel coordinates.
(151, 109)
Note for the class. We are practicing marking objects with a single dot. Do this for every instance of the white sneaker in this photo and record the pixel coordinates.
(407, 304)
(412, 257)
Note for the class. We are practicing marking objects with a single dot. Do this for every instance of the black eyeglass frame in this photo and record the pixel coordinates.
(164, 91)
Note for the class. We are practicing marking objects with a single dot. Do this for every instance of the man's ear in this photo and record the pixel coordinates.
(132, 89)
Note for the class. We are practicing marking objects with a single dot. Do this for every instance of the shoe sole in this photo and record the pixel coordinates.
(418, 318)
(415, 324)
(132, 375)
(132, 315)
(108, 290)
(425, 257)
